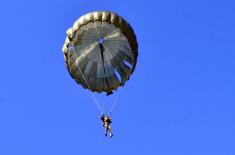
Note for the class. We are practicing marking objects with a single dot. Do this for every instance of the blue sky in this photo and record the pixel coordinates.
(179, 101)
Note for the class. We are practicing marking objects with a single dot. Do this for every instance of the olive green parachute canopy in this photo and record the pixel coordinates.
(100, 51)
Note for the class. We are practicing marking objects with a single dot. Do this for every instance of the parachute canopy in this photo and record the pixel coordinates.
(100, 51)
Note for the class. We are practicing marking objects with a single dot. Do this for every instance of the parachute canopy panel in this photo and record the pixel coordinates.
(100, 51)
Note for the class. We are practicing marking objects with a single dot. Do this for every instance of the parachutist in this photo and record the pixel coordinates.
(100, 52)
(106, 124)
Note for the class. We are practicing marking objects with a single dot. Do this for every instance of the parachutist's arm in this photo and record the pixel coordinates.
(102, 117)
(110, 120)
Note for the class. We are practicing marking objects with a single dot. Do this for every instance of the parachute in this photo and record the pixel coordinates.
(100, 51)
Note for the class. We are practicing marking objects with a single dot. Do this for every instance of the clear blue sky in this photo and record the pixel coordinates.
(179, 101)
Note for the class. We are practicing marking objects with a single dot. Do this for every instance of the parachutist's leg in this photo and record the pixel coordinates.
(110, 131)
(111, 135)
(106, 128)
(106, 131)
